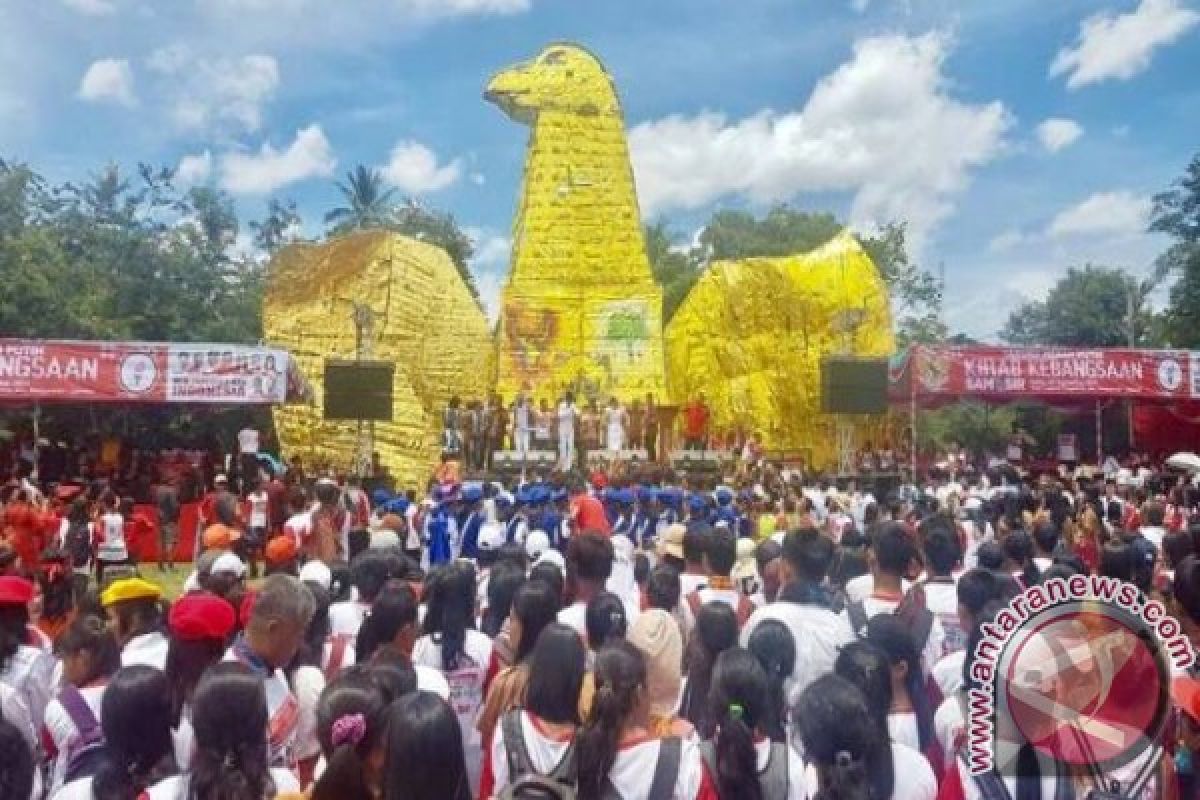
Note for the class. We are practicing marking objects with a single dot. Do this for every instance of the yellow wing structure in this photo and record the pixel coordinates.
(424, 320)
(751, 334)
(581, 309)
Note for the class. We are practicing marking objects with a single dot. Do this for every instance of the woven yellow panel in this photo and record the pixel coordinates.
(425, 321)
(750, 336)
(581, 309)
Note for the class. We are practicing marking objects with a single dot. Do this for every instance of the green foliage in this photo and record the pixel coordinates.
(368, 203)
(1088, 307)
(1177, 214)
(916, 293)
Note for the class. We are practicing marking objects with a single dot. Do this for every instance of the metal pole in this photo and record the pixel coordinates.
(1131, 319)
(37, 437)
(1099, 435)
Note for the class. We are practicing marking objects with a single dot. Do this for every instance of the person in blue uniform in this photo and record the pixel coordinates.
(470, 520)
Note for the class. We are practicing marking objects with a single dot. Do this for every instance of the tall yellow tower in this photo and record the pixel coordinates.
(581, 309)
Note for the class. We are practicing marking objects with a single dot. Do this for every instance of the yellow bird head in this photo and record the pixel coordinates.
(563, 77)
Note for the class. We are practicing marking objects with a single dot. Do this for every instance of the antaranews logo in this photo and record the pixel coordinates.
(1080, 669)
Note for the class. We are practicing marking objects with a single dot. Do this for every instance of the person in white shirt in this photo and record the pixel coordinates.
(369, 573)
(589, 565)
(133, 607)
(567, 414)
(248, 468)
(942, 555)
(720, 554)
(111, 550)
(615, 420)
(1153, 515)
(522, 425)
(452, 645)
(804, 606)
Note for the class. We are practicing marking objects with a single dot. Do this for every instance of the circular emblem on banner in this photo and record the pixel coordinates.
(1170, 374)
(138, 373)
(1087, 686)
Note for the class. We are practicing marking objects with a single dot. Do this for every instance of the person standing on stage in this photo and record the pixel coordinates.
(452, 445)
(650, 429)
(636, 432)
(522, 425)
(614, 426)
(589, 429)
(568, 414)
(483, 434)
(543, 420)
(695, 424)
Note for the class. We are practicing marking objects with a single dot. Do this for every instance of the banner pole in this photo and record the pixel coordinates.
(1099, 435)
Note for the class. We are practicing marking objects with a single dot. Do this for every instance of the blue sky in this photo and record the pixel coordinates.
(1016, 137)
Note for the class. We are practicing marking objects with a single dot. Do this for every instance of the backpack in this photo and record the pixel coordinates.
(774, 780)
(78, 544)
(912, 610)
(524, 783)
(85, 749)
(744, 607)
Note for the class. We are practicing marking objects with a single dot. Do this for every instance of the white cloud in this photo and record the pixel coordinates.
(1121, 45)
(1111, 214)
(1057, 133)
(308, 156)
(413, 168)
(477, 178)
(91, 8)
(1005, 241)
(216, 92)
(489, 265)
(459, 8)
(882, 125)
(108, 80)
(194, 169)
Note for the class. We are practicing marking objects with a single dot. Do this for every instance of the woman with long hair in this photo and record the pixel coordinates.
(741, 759)
(138, 750)
(229, 715)
(867, 667)
(615, 744)
(716, 631)
(391, 621)
(199, 627)
(910, 719)
(451, 645)
(847, 750)
(58, 593)
(773, 645)
(352, 728)
(533, 608)
(425, 758)
(546, 723)
(605, 621)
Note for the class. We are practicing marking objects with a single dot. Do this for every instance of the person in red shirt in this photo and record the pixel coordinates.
(695, 424)
(587, 512)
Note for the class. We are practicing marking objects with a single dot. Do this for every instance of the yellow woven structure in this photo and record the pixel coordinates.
(581, 309)
(750, 336)
(425, 321)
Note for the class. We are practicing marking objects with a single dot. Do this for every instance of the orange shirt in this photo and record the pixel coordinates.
(695, 420)
(589, 515)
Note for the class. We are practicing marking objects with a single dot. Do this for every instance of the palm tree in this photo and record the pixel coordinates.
(368, 203)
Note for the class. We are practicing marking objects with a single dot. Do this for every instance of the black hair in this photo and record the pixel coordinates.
(536, 606)
(16, 762)
(136, 719)
(229, 715)
(340, 581)
(772, 643)
(604, 620)
(976, 588)
(512, 553)
(739, 702)
(549, 573)
(721, 551)
(1018, 548)
(767, 551)
(942, 550)
(716, 631)
(663, 588)
(186, 662)
(354, 694)
(1154, 513)
(393, 671)
(369, 572)
(894, 638)
(311, 652)
(503, 582)
(695, 542)
(424, 751)
(590, 557)
(894, 549)
(90, 633)
(844, 742)
(809, 554)
(327, 493)
(1045, 536)
(1176, 547)
(990, 555)
(451, 610)
(1116, 561)
(54, 579)
(866, 665)
(620, 672)
(641, 568)
(394, 607)
(14, 621)
(556, 669)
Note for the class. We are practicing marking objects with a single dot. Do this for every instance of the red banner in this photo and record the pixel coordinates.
(1013, 372)
(141, 372)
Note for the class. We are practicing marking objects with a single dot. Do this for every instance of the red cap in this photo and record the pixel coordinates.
(15, 591)
(200, 616)
(280, 550)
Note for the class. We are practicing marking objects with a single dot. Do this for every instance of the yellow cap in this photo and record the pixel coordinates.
(130, 589)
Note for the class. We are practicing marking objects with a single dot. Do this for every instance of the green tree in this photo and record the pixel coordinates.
(279, 227)
(368, 203)
(674, 269)
(1177, 214)
(439, 228)
(1088, 307)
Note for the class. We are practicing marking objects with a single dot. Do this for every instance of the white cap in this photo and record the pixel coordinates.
(220, 479)
(316, 572)
(491, 536)
(536, 543)
(229, 562)
(552, 557)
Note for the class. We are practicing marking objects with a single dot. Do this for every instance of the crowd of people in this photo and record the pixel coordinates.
(646, 637)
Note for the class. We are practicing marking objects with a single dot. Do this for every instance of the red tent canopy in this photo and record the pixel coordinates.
(48, 371)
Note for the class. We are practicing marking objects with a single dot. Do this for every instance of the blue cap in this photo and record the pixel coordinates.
(724, 496)
(670, 497)
(397, 505)
(560, 495)
(620, 496)
(697, 502)
(472, 494)
(645, 494)
(445, 492)
(380, 496)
